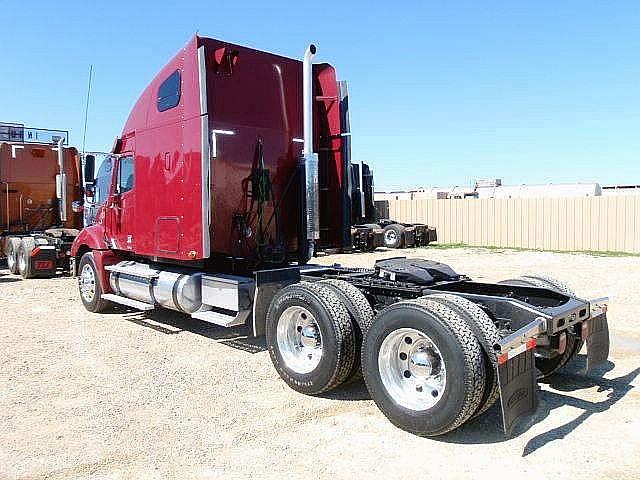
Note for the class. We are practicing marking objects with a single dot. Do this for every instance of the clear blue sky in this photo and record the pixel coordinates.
(441, 92)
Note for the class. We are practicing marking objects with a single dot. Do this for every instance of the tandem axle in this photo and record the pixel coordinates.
(411, 327)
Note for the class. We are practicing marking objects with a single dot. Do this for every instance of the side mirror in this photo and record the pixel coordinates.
(89, 168)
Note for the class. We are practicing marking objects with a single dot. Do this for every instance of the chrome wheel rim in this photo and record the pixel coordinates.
(412, 369)
(11, 260)
(299, 339)
(87, 283)
(390, 237)
(22, 262)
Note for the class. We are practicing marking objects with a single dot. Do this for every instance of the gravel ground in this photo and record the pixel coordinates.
(132, 395)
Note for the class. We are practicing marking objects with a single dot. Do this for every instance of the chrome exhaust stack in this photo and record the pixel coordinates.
(61, 183)
(310, 158)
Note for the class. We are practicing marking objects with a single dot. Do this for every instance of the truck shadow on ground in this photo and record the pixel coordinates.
(354, 391)
(172, 323)
(9, 279)
(485, 429)
(488, 427)
(6, 277)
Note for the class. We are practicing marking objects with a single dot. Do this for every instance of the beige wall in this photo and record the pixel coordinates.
(609, 223)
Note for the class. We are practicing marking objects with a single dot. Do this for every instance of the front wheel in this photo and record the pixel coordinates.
(89, 285)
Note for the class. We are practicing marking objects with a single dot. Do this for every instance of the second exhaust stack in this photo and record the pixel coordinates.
(310, 158)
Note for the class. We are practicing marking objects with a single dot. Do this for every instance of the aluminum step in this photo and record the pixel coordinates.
(135, 270)
(129, 302)
(222, 319)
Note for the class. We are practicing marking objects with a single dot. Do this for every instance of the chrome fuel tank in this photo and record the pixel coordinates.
(174, 289)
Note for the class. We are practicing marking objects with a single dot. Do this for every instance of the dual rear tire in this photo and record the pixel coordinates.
(423, 360)
(426, 364)
(25, 267)
(19, 256)
(310, 338)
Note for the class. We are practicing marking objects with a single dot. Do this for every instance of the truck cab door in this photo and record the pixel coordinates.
(120, 215)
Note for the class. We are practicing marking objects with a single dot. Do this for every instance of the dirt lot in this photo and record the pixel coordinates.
(129, 395)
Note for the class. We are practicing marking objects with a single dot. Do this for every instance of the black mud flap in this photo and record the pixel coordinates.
(518, 389)
(597, 341)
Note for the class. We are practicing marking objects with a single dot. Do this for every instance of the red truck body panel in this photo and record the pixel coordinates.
(193, 161)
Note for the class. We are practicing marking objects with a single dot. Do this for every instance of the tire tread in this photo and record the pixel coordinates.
(341, 327)
(487, 334)
(361, 315)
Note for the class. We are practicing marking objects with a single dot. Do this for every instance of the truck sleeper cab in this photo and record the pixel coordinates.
(231, 171)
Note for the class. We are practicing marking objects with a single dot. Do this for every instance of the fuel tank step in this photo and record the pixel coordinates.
(129, 302)
(134, 269)
(221, 319)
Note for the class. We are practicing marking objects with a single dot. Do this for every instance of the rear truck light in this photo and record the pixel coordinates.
(528, 345)
(35, 252)
(43, 264)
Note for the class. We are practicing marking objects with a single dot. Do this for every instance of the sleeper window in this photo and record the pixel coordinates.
(169, 92)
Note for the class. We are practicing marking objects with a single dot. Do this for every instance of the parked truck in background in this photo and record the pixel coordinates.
(371, 225)
(40, 199)
(231, 172)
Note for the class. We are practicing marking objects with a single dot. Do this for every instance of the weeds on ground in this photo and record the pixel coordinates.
(493, 248)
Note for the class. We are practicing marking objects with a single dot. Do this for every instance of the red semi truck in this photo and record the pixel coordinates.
(41, 199)
(231, 172)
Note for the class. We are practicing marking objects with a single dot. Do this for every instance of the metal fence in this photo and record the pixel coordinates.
(610, 223)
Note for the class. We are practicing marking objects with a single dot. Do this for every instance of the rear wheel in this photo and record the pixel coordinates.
(361, 315)
(547, 366)
(488, 335)
(393, 236)
(13, 245)
(310, 337)
(89, 285)
(25, 267)
(423, 367)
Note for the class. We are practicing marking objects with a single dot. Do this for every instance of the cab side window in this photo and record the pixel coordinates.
(103, 181)
(169, 92)
(125, 174)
